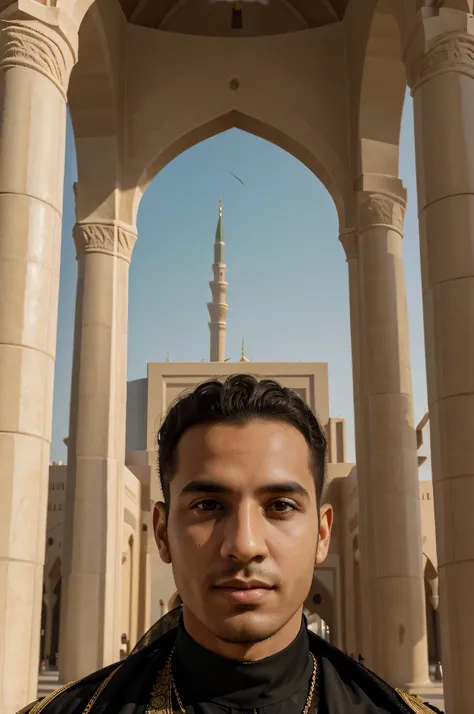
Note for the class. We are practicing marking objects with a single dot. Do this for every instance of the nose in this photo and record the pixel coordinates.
(244, 535)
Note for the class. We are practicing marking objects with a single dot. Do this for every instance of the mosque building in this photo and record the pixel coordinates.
(147, 590)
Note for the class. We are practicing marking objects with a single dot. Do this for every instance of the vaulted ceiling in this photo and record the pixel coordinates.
(218, 17)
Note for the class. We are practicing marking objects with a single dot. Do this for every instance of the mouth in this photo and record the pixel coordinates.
(245, 592)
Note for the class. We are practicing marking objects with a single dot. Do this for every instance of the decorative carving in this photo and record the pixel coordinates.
(380, 210)
(109, 238)
(451, 52)
(25, 46)
(126, 241)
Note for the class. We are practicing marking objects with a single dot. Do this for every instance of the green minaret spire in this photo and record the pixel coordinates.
(219, 244)
(218, 306)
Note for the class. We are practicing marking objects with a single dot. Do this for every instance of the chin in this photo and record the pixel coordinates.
(245, 627)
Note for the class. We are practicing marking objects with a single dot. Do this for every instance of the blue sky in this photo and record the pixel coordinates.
(287, 275)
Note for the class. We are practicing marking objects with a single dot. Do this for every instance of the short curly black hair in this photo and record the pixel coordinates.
(240, 398)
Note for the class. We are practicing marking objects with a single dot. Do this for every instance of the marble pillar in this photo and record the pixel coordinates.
(349, 242)
(398, 610)
(35, 63)
(442, 80)
(90, 616)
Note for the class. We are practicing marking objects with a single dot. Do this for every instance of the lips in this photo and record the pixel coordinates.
(244, 592)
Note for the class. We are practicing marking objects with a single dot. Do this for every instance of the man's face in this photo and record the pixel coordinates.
(242, 531)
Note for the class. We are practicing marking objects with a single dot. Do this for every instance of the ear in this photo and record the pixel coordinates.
(325, 525)
(160, 528)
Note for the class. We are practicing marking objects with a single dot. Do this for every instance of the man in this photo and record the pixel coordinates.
(243, 525)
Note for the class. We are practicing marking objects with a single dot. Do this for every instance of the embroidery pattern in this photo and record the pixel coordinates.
(43, 703)
(415, 703)
(160, 702)
(99, 691)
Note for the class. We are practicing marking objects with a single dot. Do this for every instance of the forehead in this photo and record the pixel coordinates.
(255, 447)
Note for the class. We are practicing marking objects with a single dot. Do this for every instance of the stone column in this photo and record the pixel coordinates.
(90, 615)
(442, 78)
(349, 242)
(399, 620)
(35, 62)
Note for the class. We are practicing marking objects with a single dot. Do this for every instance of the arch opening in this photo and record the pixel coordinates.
(177, 221)
(238, 120)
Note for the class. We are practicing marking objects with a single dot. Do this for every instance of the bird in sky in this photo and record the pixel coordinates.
(240, 2)
(236, 177)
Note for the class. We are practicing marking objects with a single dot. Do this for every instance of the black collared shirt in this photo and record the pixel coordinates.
(210, 684)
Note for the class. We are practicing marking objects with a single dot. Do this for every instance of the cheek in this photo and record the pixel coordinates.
(296, 556)
(188, 546)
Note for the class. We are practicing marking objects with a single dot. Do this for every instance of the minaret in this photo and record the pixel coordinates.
(218, 307)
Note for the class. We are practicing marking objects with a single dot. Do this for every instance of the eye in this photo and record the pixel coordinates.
(208, 505)
(285, 508)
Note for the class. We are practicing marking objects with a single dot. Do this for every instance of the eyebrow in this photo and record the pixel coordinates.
(213, 487)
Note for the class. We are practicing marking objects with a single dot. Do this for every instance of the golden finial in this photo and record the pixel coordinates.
(243, 357)
(220, 206)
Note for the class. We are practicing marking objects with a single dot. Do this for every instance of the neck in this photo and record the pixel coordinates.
(242, 651)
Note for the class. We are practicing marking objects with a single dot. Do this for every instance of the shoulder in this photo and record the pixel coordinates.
(71, 697)
(345, 682)
(75, 697)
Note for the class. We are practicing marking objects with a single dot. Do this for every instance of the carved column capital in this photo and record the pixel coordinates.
(441, 41)
(349, 242)
(111, 238)
(22, 44)
(451, 52)
(378, 209)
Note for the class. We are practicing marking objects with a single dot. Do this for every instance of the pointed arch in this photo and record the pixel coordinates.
(235, 119)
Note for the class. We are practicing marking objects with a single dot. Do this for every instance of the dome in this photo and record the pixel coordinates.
(226, 18)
